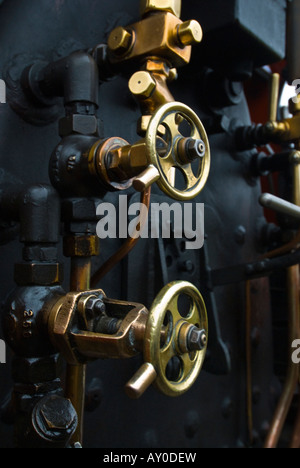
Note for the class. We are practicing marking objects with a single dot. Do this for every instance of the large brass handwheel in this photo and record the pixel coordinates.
(171, 127)
(175, 342)
(169, 354)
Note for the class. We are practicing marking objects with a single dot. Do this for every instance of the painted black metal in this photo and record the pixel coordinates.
(213, 412)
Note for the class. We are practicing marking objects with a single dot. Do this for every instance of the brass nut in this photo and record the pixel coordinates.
(294, 105)
(120, 41)
(138, 156)
(190, 33)
(81, 246)
(173, 6)
(142, 84)
(114, 167)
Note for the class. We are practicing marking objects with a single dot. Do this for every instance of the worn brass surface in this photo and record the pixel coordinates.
(171, 116)
(173, 6)
(146, 179)
(139, 383)
(79, 345)
(160, 154)
(274, 96)
(124, 344)
(150, 86)
(102, 164)
(155, 36)
(81, 246)
(120, 40)
(142, 84)
(190, 33)
(286, 130)
(166, 307)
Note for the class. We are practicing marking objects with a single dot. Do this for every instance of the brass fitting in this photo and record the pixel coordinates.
(81, 246)
(190, 33)
(294, 105)
(142, 84)
(150, 87)
(173, 6)
(172, 40)
(120, 40)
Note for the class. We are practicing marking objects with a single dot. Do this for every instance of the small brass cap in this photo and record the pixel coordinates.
(294, 105)
(190, 33)
(172, 6)
(142, 84)
(120, 41)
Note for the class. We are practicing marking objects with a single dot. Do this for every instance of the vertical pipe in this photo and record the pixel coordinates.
(291, 381)
(293, 39)
(274, 97)
(76, 374)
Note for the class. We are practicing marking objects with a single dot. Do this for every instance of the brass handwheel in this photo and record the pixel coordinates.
(170, 149)
(175, 342)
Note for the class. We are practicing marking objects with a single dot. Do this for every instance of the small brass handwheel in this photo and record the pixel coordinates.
(176, 141)
(175, 342)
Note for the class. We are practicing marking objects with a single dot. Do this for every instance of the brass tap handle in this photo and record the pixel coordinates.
(274, 97)
(175, 335)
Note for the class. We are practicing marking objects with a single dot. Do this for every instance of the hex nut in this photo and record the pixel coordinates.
(294, 105)
(190, 33)
(81, 246)
(172, 6)
(55, 418)
(142, 84)
(33, 370)
(197, 339)
(78, 124)
(120, 41)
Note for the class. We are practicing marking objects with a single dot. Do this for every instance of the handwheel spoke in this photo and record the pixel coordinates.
(194, 317)
(195, 133)
(168, 169)
(187, 364)
(166, 354)
(173, 126)
(191, 179)
(173, 308)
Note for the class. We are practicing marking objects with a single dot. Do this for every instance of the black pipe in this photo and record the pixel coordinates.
(293, 40)
(76, 78)
(39, 213)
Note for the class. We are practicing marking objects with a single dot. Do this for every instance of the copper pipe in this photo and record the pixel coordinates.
(292, 377)
(76, 374)
(126, 247)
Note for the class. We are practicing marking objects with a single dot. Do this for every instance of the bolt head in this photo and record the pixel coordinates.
(119, 41)
(95, 307)
(294, 105)
(197, 339)
(55, 417)
(196, 149)
(172, 6)
(190, 33)
(142, 84)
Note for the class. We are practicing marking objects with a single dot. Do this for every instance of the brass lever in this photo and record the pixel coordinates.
(279, 205)
(274, 96)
